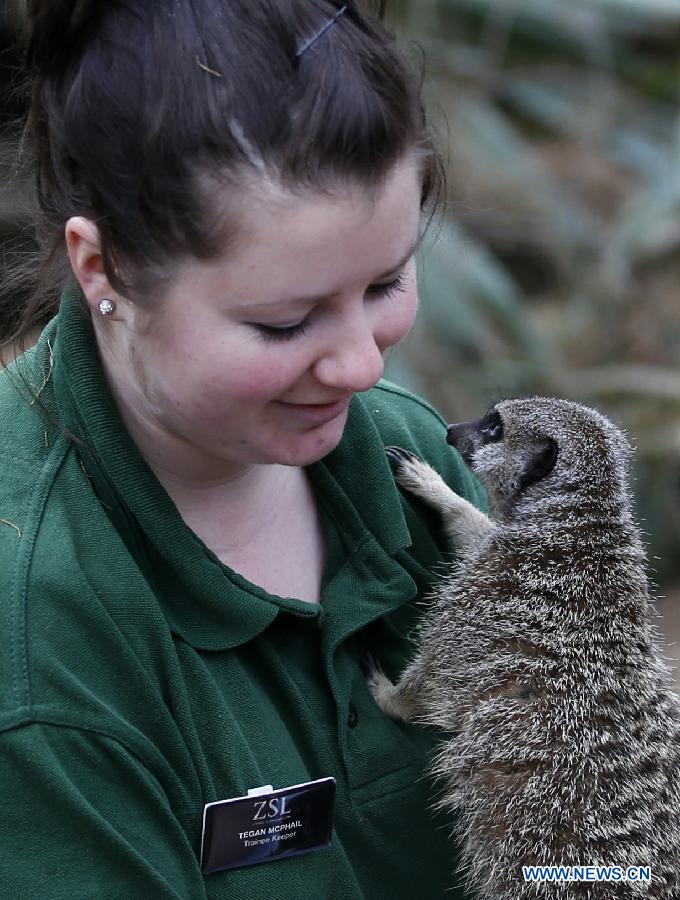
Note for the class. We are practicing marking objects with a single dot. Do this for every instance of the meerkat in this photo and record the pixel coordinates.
(539, 656)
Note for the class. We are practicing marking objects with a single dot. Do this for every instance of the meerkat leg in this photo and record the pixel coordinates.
(393, 702)
(464, 524)
(402, 700)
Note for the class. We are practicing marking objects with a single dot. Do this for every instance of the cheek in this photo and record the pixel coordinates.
(241, 378)
(245, 382)
(228, 376)
(398, 318)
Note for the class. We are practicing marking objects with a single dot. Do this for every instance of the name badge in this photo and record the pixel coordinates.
(267, 825)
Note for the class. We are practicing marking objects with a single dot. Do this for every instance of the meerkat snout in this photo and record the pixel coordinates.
(467, 437)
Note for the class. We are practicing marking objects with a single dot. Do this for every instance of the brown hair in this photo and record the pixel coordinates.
(137, 106)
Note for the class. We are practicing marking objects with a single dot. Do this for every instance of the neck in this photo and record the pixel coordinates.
(232, 513)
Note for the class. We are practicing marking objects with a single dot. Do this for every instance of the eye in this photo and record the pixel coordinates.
(286, 332)
(398, 284)
(281, 333)
(492, 428)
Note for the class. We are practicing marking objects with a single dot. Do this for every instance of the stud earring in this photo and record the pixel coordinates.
(106, 307)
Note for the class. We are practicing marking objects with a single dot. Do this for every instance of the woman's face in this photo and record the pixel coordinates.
(254, 357)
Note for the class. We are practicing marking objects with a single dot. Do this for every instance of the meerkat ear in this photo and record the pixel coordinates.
(542, 463)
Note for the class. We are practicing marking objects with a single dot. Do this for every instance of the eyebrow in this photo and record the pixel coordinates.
(320, 298)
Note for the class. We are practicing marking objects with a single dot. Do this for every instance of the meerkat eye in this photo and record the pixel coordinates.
(492, 428)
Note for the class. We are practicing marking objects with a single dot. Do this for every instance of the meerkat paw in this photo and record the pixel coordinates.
(465, 525)
(419, 478)
(386, 694)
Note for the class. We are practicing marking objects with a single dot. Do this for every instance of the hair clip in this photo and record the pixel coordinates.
(320, 33)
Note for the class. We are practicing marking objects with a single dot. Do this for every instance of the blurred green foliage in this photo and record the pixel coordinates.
(555, 267)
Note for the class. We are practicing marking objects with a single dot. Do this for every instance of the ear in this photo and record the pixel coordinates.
(542, 463)
(85, 254)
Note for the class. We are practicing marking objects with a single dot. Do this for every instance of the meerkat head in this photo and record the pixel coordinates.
(540, 446)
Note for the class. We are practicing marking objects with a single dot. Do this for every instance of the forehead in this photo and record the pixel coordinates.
(311, 235)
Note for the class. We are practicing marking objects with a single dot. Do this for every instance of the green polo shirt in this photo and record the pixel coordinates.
(140, 678)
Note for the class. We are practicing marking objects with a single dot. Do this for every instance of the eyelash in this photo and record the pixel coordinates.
(381, 291)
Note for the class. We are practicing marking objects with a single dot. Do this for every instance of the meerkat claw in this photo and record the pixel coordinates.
(398, 456)
(372, 672)
(368, 664)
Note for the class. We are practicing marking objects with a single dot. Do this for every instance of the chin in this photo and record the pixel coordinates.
(313, 446)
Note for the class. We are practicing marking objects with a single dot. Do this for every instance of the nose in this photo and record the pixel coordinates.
(354, 362)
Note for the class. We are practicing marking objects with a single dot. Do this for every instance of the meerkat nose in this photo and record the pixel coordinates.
(461, 436)
(456, 433)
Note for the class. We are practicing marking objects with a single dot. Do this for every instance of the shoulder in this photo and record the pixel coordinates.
(65, 603)
(405, 420)
(31, 448)
(27, 432)
(391, 404)
(28, 461)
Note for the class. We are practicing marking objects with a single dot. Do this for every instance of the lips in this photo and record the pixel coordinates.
(317, 413)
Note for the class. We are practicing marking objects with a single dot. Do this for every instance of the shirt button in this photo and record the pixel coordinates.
(352, 717)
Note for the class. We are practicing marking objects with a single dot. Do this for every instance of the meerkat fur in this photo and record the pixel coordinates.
(539, 657)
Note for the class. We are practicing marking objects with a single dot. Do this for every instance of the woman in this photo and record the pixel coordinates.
(201, 536)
